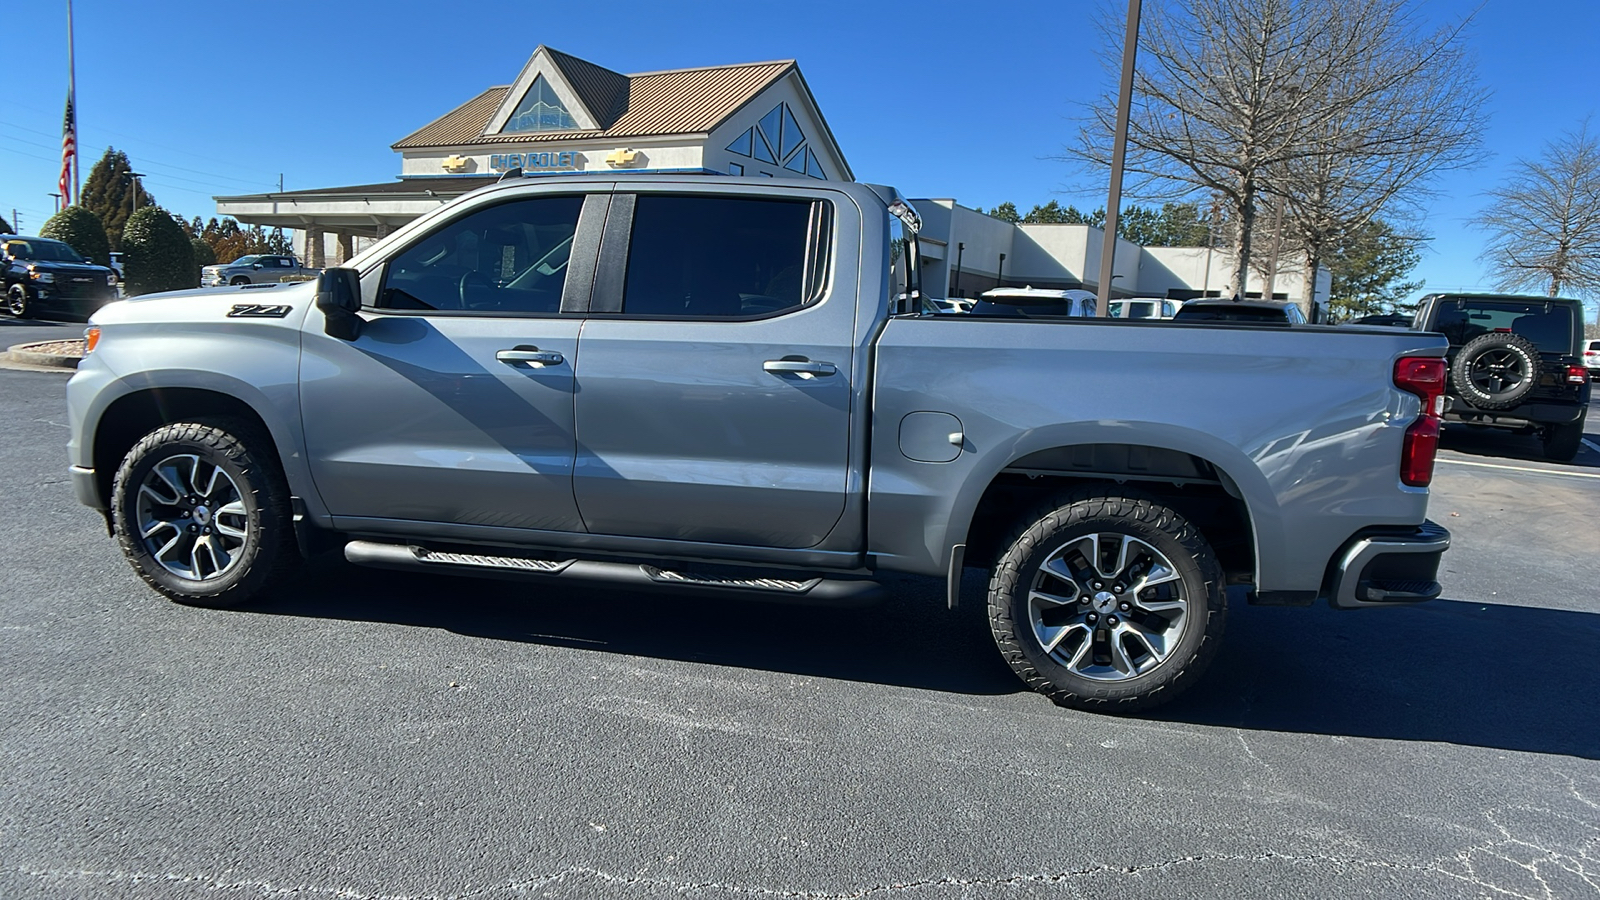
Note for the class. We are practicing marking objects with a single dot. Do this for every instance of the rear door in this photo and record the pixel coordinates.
(454, 405)
(714, 376)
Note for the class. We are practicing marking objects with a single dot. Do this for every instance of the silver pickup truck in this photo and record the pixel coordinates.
(255, 269)
(726, 384)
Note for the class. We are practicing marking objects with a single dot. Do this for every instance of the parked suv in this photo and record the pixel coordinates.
(1591, 358)
(1241, 312)
(255, 269)
(1515, 362)
(41, 274)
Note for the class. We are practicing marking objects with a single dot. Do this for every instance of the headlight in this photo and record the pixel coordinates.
(111, 279)
(45, 277)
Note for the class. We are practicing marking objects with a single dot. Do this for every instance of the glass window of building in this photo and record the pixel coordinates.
(540, 110)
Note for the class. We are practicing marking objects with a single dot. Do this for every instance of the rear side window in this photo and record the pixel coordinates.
(699, 257)
(1549, 325)
(510, 259)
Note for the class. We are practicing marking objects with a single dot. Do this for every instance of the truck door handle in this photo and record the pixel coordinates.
(799, 367)
(533, 356)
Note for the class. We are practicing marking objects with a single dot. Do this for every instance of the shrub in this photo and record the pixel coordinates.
(159, 257)
(81, 230)
(203, 256)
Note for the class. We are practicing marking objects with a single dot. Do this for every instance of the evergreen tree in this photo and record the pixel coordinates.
(159, 255)
(80, 229)
(108, 193)
(1005, 212)
(1369, 272)
(202, 252)
(5, 227)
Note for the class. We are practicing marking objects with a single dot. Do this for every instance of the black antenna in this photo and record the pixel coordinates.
(511, 173)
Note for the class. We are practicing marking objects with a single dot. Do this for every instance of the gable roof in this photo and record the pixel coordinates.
(649, 104)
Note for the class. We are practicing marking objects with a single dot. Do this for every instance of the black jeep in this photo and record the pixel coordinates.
(1515, 362)
(41, 275)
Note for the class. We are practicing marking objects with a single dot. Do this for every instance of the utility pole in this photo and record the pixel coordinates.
(955, 289)
(1000, 277)
(1277, 250)
(16, 220)
(135, 176)
(1119, 155)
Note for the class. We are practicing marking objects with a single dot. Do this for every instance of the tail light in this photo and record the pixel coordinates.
(1577, 374)
(1423, 376)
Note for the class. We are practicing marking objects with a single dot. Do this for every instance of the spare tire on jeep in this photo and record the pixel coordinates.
(1496, 370)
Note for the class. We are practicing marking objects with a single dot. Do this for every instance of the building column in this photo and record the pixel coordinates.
(382, 229)
(314, 257)
(346, 247)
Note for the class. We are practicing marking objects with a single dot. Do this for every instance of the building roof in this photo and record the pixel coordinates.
(450, 186)
(649, 104)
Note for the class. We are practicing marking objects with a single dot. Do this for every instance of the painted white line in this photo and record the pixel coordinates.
(1591, 445)
(1462, 462)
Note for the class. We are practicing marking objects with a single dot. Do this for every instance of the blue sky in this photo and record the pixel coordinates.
(964, 100)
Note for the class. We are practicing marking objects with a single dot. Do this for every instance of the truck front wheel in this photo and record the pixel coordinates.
(202, 512)
(1108, 601)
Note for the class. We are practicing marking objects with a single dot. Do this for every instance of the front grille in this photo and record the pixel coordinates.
(70, 289)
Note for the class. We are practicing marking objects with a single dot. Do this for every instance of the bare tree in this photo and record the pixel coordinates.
(1235, 96)
(1544, 221)
(1398, 114)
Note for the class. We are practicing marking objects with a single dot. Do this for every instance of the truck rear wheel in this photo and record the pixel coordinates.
(1109, 601)
(202, 512)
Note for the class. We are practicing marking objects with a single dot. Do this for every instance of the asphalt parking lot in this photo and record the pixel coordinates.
(374, 734)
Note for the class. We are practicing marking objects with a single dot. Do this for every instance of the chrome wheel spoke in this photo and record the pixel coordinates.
(1163, 606)
(1064, 631)
(224, 519)
(149, 530)
(1120, 660)
(1154, 645)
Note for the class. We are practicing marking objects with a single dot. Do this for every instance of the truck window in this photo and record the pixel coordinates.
(510, 258)
(718, 257)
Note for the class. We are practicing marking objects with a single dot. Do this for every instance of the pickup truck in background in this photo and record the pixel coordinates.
(255, 269)
(766, 410)
(1515, 362)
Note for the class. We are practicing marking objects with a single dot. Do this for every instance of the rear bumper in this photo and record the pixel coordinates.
(1389, 569)
(1535, 413)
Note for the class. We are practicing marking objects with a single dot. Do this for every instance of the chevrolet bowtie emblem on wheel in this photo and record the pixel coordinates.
(455, 163)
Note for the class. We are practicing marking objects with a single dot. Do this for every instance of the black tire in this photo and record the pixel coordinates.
(17, 302)
(1496, 370)
(245, 454)
(1074, 517)
(238, 280)
(1562, 442)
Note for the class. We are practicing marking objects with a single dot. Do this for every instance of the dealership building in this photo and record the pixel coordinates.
(563, 114)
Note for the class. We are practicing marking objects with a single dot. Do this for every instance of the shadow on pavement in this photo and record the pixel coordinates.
(1508, 677)
(1503, 444)
(909, 639)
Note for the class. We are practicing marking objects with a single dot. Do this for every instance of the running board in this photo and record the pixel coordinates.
(752, 583)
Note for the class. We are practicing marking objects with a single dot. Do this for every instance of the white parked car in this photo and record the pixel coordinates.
(1145, 308)
(1033, 302)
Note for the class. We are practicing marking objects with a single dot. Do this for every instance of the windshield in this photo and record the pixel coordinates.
(1549, 325)
(43, 251)
(245, 261)
(1133, 309)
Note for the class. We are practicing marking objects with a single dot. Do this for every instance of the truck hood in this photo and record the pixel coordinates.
(69, 269)
(206, 304)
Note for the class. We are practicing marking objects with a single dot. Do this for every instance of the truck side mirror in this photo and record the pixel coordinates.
(339, 298)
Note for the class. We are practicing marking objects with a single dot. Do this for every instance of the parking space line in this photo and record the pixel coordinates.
(1591, 445)
(1483, 465)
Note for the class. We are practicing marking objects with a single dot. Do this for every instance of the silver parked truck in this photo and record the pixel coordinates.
(675, 382)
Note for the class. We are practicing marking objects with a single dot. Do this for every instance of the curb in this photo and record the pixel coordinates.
(19, 353)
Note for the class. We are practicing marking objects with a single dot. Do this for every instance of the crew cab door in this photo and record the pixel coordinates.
(454, 405)
(714, 375)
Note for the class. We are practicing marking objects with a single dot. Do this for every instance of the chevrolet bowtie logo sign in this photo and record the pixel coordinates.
(456, 163)
(622, 159)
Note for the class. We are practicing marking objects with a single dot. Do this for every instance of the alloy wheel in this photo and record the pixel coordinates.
(192, 517)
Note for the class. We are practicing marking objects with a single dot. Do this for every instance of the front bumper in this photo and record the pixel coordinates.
(87, 487)
(1389, 569)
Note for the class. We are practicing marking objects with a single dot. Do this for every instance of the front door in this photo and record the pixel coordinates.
(714, 374)
(455, 403)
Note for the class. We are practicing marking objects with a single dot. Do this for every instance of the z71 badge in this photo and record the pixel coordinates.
(259, 311)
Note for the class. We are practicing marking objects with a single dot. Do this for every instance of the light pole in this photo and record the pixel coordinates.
(58, 201)
(1000, 277)
(955, 289)
(1119, 153)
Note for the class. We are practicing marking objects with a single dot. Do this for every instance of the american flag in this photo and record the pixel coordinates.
(69, 150)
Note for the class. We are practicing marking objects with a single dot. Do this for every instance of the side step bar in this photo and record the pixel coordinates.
(751, 583)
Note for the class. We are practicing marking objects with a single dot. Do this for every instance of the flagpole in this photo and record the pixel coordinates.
(72, 98)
